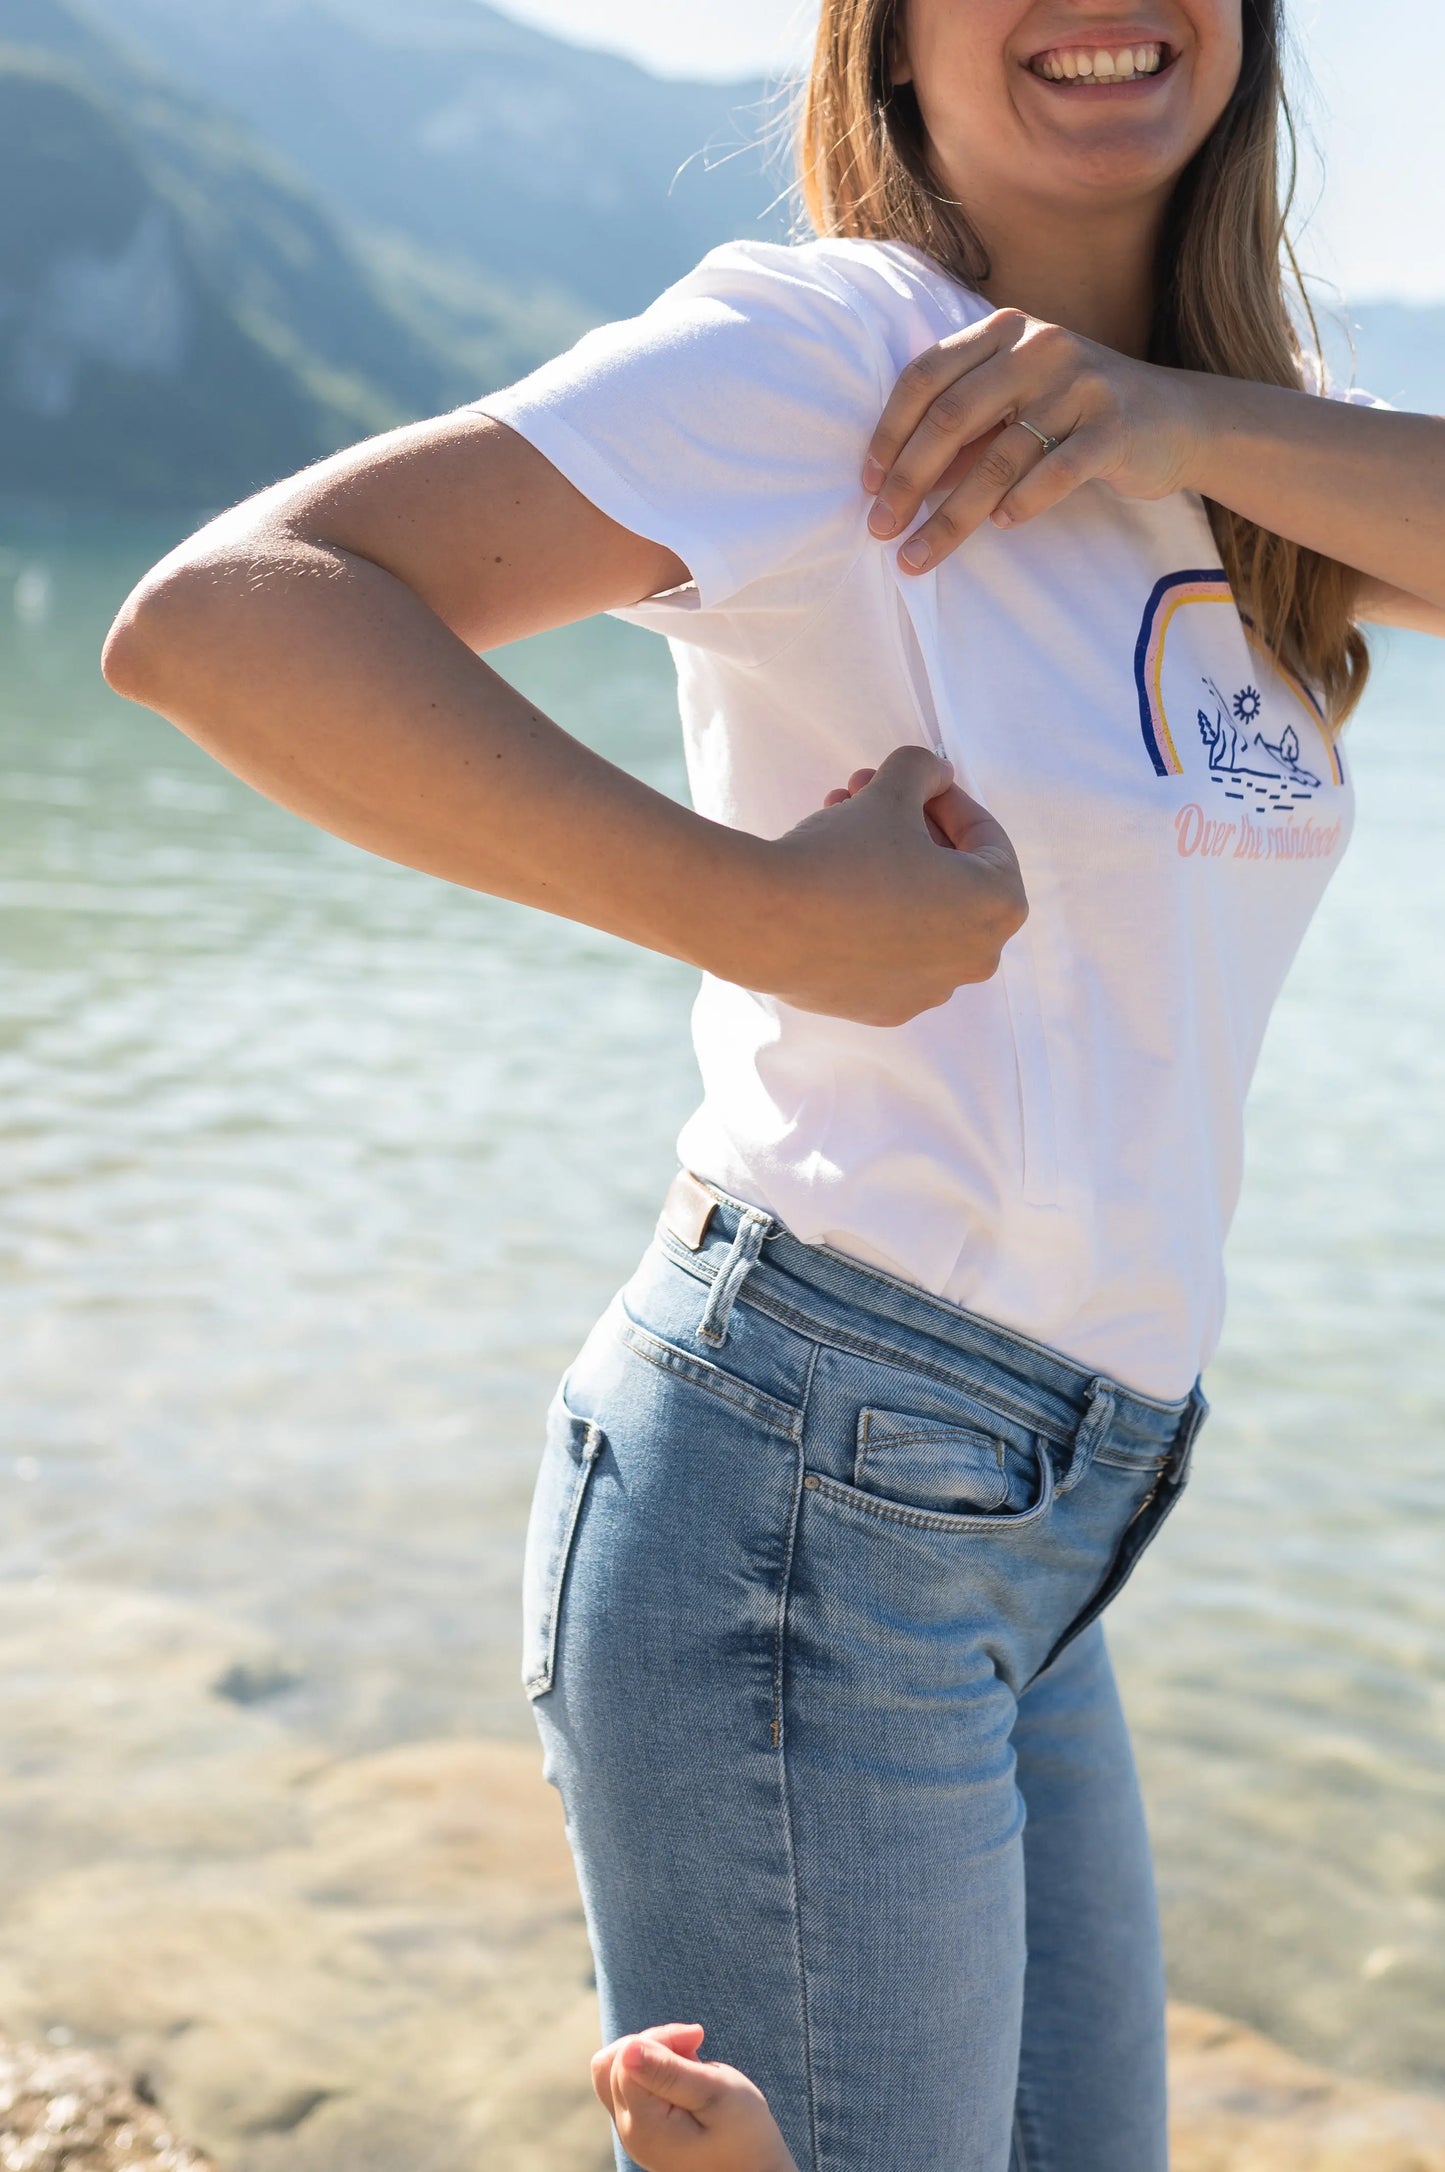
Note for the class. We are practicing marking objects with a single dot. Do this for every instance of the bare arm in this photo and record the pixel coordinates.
(1360, 484)
(319, 640)
(1363, 485)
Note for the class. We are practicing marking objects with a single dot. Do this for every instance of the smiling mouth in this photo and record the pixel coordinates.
(1086, 67)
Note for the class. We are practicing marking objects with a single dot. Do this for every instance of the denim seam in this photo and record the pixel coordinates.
(920, 1518)
(780, 1626)
(542, 1677)
(922, 1430)
(781, 1746)
(778, 1417)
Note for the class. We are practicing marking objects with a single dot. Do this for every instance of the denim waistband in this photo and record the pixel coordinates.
(750, 1255)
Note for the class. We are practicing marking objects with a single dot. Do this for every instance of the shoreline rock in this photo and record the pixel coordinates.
(70, 2111)
(375, 1963)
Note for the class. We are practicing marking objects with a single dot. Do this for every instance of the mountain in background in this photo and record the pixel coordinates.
(538, 163)
(128, 374)
(187, 312)
(234, 237)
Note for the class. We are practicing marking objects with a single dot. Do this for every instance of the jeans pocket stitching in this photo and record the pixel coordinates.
(924, 1519)
(712, 1379)
(917, 1433)
(594, 1440)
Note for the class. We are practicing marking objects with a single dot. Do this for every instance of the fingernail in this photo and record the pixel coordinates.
(1001, 517)
(914, 554)
(883, 520)
(874, 475)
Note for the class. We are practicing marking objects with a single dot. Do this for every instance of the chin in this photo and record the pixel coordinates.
(1109, 173)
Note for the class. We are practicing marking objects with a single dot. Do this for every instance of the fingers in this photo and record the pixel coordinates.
(602, 2078)
(913, 775)
(1081, 456)
(938, 830)
(927, 376)
(955, 423)
(954, 432)
(681, 2037)
(1015, 454)
(644, 2064)
(967, 826)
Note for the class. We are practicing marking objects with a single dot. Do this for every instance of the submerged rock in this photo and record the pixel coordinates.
(69, 2111)
(1241, 2104)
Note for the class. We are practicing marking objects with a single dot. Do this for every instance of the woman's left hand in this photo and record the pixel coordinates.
(956, 419)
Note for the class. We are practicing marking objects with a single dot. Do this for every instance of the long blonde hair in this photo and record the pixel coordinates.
(866, 173)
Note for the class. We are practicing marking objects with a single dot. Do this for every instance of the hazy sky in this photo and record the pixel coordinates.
(1375, 114)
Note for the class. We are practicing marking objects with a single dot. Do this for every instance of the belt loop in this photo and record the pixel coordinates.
(753, 1226)
(1093, 1426)
(1181, 1455)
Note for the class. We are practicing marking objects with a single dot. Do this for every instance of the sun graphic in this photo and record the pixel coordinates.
(1247, 704)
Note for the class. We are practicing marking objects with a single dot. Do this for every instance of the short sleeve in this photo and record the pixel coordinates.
(728, 423)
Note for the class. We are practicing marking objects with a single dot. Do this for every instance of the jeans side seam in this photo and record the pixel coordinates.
(780, 1745)
(785, 1580)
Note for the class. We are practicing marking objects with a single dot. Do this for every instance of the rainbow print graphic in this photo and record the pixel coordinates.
(1202, 584)
(1167, 596)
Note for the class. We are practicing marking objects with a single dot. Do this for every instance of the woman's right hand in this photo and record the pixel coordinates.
(899, 890)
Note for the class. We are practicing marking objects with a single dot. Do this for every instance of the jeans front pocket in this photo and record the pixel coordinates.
(569, 1457)
(936, 1475)
(950, 1469)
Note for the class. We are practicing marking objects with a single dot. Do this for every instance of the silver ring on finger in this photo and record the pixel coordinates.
(1050, 444)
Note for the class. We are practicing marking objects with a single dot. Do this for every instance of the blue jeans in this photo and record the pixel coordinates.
(812, 1586)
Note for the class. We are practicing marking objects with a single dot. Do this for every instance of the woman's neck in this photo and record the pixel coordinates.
(1095, 276)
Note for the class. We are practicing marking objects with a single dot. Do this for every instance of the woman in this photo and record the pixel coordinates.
(837, 1488)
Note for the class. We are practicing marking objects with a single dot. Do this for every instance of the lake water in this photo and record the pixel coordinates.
(313, 1173)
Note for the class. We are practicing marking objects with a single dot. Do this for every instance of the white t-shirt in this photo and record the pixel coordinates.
(1060, 1147)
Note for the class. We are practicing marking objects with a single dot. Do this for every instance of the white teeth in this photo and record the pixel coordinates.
(1101, 66)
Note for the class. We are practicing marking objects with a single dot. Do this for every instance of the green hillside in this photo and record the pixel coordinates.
(127, 376)
(181, 318)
